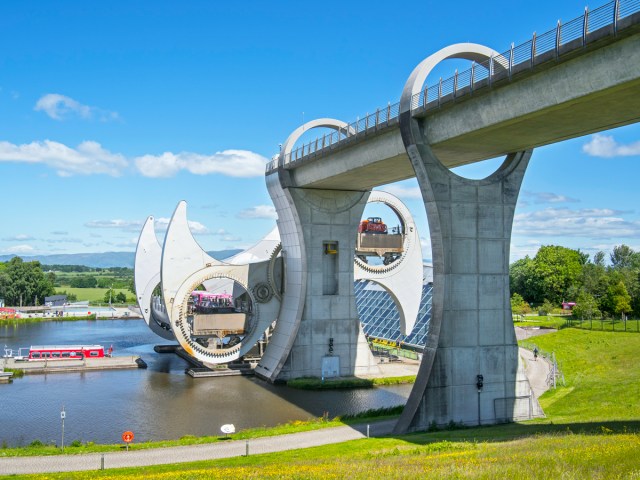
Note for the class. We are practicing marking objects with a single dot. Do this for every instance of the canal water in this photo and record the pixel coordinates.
(161, 402)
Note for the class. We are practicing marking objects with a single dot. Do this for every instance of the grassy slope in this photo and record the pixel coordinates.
(602, 373)
(92, 294)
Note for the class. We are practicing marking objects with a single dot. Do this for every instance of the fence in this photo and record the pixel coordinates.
(555, 375)
(393, 351)
(611, 324)
(592, 25)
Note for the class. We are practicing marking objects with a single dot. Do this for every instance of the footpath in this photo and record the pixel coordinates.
(192, 453)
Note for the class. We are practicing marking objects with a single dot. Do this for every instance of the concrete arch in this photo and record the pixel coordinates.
(466, 51)
(403, 278)
(332, 123)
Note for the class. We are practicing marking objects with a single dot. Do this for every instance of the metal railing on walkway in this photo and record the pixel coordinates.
(555, 375)
(592, 25)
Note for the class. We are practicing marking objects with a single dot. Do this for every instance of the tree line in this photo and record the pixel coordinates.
(558, 274)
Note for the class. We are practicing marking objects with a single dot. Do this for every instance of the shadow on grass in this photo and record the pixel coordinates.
(514, 431)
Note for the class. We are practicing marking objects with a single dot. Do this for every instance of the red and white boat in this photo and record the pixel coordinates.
(68, 352)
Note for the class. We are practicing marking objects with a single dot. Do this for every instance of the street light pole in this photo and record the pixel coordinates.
(62, 416)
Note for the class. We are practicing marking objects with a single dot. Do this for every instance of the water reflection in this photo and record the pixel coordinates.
(158, 403)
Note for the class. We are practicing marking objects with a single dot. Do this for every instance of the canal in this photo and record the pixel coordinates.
(158, 403)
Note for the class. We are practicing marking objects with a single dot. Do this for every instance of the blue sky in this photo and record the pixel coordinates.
(113, 111)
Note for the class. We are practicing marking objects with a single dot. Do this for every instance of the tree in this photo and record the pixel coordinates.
(546, 308)
(518, 305)
(109, 296)
(622, 256)
(84, 281)
(24, 283)
(598, 258)
(520, 278)
(618, 300)
(121, 297)
(586, 306)
(555, 270)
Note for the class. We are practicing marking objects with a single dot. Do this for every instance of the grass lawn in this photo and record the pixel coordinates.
(94, 295)
(591, 431)
(549, 321)
(602, 373)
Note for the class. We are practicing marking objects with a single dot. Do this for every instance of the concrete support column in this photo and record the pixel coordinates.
(318, 332)
(471, 331)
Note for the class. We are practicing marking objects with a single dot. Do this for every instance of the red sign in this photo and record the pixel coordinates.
(127, 437)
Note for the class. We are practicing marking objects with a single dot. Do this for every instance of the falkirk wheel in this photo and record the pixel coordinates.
(219, 310)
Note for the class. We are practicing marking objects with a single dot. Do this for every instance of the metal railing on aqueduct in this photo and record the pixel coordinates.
(592, 25)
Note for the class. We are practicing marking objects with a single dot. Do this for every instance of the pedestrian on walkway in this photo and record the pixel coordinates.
(535, 354)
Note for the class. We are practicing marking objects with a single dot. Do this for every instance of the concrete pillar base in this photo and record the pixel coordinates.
(471, 332)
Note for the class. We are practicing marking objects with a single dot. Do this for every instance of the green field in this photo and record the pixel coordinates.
(591, 431)
(94, 295)
(602, 373)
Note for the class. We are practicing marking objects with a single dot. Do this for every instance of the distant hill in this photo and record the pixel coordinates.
(101, 260)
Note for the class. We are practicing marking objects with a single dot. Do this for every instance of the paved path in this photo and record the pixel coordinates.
(157, 456)
(537, 371)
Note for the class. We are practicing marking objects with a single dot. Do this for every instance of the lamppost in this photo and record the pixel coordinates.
(62, 416)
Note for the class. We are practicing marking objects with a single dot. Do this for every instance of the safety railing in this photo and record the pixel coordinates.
(516, 59)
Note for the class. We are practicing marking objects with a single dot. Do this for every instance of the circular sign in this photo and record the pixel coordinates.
(127, 437)
(228, 428)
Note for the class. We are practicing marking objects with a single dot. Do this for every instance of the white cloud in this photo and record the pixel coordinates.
(521, 250)
(59, 232)
(90, 158)
(51, 241)
(606, 146)
(61, 107)
(196, 228)
(589, 223)
(86, 159)
(259, 211)
(548, 197)
(233, 163)
(126, 225)
(20, 249)
(409, 193)
(21, 237)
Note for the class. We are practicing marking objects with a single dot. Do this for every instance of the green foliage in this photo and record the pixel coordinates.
(315, 383)
(546, 308)
(111, 296)
(586, 307)
(67, 268)
(71, 297)
(618, 300)
(555, 270)
(84, 281)
(559, 274)
(24, 281)
(518, 305)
